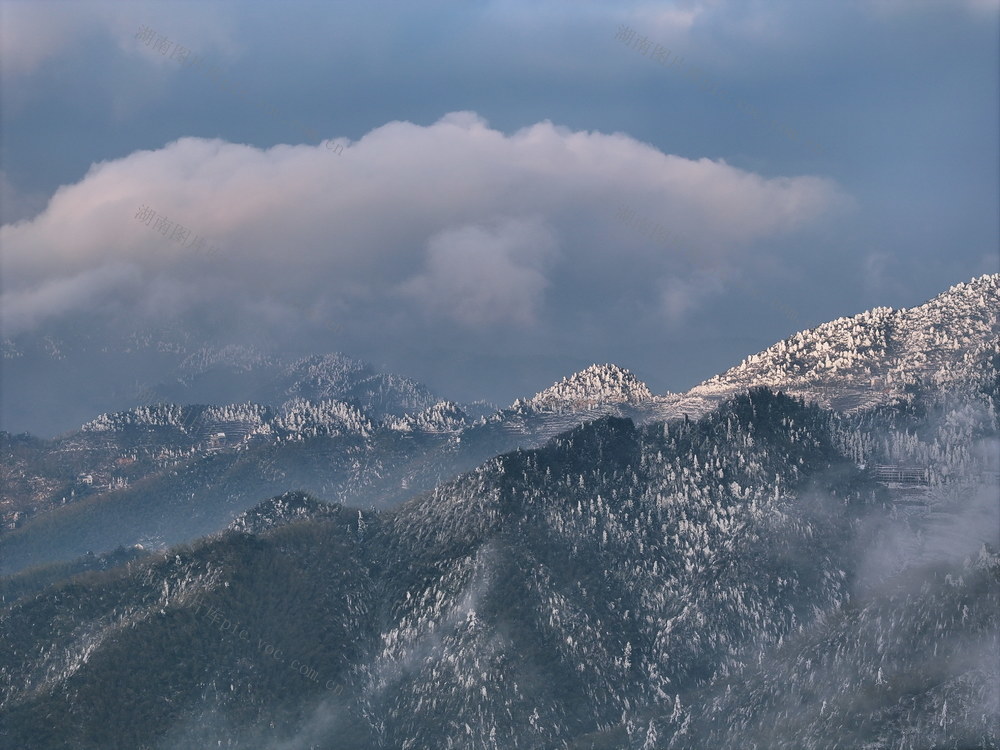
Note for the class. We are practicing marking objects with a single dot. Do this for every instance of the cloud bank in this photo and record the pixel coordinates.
(449, 224)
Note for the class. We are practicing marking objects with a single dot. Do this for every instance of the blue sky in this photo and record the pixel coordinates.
(434, 186)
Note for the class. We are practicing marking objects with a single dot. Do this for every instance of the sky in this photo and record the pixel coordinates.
(488, 195)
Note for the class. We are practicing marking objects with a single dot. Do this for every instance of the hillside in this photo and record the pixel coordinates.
(541, 581)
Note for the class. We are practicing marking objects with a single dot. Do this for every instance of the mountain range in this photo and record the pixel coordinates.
(163, 473)
(342, 559)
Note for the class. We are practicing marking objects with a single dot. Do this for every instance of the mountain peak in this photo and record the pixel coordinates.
(853, 362)
(594, 386)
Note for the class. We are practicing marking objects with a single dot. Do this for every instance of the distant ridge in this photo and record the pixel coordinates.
(857, 361)
(594, 386)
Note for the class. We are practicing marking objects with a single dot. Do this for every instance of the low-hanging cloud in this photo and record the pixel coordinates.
(477, 275)
(25, 308)
(453, 222)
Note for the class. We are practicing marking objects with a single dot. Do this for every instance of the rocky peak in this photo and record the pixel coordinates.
(595, 386)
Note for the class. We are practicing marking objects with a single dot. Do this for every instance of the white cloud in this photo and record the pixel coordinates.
(477, 275)
(26, 308)
(679, 297)
(455, 220)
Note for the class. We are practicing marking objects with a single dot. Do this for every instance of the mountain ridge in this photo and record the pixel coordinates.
(337, 449)
(881, 350)
(593, 386)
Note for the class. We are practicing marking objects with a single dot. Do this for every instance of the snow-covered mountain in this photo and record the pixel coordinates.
(869, 358)
(384, 437)
(302, 419)
(63, 381)
(595, 386)
(733, 581)
(242, 373)
(584, 569)
(846, 364)
(444, 416)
